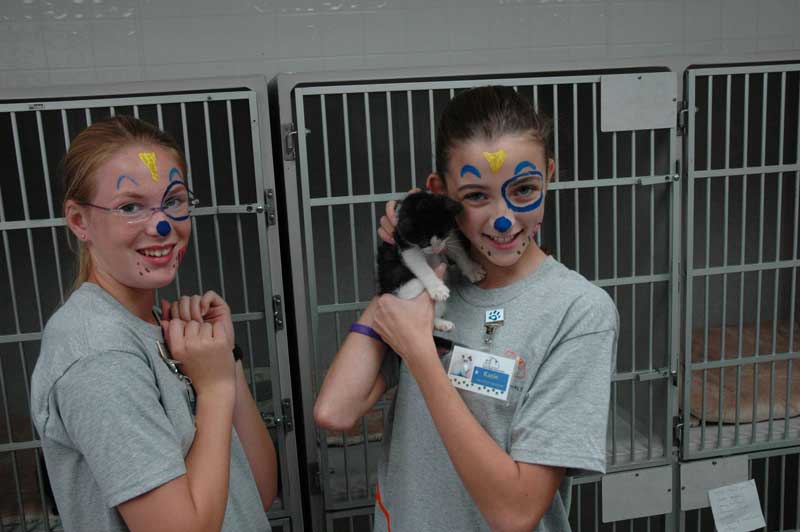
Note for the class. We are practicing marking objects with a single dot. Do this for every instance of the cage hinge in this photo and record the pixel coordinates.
(277, 312)
(289, 138)
(285, 419)
(683, 115)
(315, 477)
(269, 201)
(677, 432)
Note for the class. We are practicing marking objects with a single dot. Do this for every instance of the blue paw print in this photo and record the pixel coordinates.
(494, 315)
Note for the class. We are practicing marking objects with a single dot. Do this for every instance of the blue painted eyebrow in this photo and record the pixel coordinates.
(173, 172)
(468, 168)
(523, 165)
(123, 176)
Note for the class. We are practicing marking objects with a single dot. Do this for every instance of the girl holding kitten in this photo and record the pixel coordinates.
(496, 450)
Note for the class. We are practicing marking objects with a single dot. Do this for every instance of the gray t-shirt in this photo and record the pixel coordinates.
(115, 421)
(565, 331)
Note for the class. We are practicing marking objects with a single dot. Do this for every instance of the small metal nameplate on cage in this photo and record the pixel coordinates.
(481, 373)
(492, 322)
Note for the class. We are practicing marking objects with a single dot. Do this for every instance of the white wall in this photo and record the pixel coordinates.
(47, 42)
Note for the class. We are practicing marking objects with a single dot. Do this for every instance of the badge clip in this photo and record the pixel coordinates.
(492, 322)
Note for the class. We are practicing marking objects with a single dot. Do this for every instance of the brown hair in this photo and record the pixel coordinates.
(94, 146)
(485, 113)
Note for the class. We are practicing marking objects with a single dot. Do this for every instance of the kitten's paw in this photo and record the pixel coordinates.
(443, 325)
(439, 292)
(475, 272)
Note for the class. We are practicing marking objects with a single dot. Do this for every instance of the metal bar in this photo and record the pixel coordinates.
(650, 315)
(633, 298)
(743, 227)
(689, 267)
(433, 129)
(449, 84)
(88, 114)
(411, 151)
(709, 135)
(188, 155)
(741, 361)
(331, 239)
(50, 210)
(91, 103)
(555, 143)
(348, 164)
(724, 323)
(783, 487)
(213, 184)
(760, 254)
(755, 267)
(745, 170)
(391, 140)
(595, 191)
(371, 175)
(575, 174)
(795, 229)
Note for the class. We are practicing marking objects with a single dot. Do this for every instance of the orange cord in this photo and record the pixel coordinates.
(383, 508)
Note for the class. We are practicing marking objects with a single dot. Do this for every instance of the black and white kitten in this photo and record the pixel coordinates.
(426, 233)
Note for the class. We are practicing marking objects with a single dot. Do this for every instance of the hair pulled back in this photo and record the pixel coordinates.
(91, 148)
(486, 113)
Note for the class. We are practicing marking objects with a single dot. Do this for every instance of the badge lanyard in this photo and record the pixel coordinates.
(172, 364)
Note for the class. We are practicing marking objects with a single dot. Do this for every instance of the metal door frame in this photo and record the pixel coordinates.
(254, 91)
(692, 174)
(289, 91)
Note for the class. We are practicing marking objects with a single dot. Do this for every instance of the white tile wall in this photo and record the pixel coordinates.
(46, 42)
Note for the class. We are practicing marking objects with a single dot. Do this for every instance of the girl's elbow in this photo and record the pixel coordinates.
(515, 520)
(332, 418)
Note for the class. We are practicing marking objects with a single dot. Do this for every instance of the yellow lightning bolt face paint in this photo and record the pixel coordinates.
(149, 160)
(495, 159)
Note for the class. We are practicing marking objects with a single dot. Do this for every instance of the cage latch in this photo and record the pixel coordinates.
(284, 419)
(277, 312)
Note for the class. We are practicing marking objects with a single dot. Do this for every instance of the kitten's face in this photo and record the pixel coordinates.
(427, 220)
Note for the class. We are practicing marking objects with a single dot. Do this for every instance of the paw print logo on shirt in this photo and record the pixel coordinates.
(494, 316)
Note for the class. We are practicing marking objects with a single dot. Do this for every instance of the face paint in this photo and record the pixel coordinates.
(469, 169)
(495, 159)
(174, 174)
(524, 203)
(121, 178)
(163, 227)
(502, 224)
(149, 160)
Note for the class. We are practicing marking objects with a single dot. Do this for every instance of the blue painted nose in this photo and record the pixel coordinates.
(163, 228)
(502, 224)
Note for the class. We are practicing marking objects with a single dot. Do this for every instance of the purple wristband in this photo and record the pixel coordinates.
(366, 330)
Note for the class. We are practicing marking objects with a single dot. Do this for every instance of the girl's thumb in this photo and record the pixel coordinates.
(440, 270)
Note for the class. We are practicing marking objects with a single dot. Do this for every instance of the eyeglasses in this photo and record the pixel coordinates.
(177, 204)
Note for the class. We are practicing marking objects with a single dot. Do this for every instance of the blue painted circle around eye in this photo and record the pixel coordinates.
(530, 207)
(502, 224)
(163, 228)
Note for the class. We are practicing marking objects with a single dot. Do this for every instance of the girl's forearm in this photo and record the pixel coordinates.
(353, 383)
(256, 441)
(208, 461)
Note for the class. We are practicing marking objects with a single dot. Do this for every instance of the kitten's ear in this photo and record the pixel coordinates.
(453, 207)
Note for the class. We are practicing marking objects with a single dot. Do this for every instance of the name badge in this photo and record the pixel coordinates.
(481, 373)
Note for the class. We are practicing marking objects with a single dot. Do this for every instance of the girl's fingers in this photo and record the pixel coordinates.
(206, 330)
(391, 215)
(194, 305)
(176, 340)
(385, 236)
(192, 328)
(165, 310)
(184, 307)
